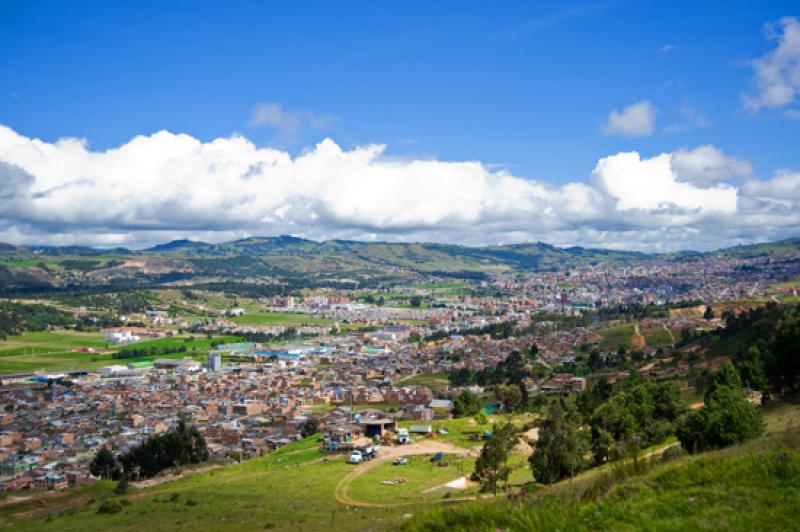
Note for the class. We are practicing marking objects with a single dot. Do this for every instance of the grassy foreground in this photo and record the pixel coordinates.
(755, 486)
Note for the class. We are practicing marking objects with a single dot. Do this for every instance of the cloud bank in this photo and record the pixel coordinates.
(163, 186)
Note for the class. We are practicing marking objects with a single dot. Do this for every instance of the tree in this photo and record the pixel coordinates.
(533, 352)
(709, 313)
(510, 395)
(492, 465)
(104, 465)
(180, 446)
(559, 449)
(782, 363)
(751, 369)
(725, 419)
(415, 301)
(481, 418)
(466, 404)
(595, 360)
(310, 427)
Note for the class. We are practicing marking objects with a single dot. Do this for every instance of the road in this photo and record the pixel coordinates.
(341, 492)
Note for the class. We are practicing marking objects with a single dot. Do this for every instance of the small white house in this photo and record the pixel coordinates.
(122, 337)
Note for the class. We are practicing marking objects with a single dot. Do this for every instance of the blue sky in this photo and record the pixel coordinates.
(526, 87)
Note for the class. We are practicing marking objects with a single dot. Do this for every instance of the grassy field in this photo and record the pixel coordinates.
(54, 350)
(419, 476)
(658, 338)
(431, 380)
(619, 335)
(287, 319)
(464, 432)
(291, 489)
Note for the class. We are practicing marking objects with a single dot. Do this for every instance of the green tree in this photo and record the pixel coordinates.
(466, 404)
(751, 369)
(492, 465)
(560, 448)
(782, 363)
(595, 360)
(510, 395)
(311, 426)
(533, 352)
(104, 465)
(726, 418)
(481, 418)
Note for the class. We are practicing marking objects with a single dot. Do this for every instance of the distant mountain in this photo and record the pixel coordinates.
(310, 263)
(177, 245)
(76, 251)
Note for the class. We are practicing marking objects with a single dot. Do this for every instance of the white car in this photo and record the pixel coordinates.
(355, 457)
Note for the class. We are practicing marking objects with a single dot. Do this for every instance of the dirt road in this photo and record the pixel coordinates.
(341, 491)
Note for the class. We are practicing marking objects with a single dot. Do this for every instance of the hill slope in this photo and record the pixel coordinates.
(755, 486)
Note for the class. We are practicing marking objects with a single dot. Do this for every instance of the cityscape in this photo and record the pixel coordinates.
(399, 266)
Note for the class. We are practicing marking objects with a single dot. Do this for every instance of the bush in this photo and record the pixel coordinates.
(672, 453)
(109, 506)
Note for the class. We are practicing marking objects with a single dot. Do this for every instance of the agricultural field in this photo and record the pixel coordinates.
(287, 319)
(54, 350)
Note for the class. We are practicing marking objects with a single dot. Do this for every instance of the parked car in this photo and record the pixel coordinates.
(437, 457)
(400, 461)
(355, 457)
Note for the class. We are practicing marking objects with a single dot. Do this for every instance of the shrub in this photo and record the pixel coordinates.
(109, 506)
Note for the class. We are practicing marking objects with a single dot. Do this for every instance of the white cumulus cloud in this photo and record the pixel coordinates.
(165, 185)
(636, 120)
(708, 164)
(778, 71)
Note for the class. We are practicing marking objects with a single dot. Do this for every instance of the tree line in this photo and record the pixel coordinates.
(148, 351)
(179, 446)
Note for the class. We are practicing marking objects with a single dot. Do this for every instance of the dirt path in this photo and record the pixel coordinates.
(341, 492)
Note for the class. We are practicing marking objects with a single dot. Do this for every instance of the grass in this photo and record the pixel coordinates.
(54, 350)
(619, 335)
(464, 432)
(431, 380)
(291, 489)
(755, 486)
(658, 338)
(419, 474)
(751, 487)
(287, 319)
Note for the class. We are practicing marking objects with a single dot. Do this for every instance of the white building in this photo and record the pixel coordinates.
(122, 337)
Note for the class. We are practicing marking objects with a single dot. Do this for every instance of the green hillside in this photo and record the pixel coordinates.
(297, 260)
(755, 486)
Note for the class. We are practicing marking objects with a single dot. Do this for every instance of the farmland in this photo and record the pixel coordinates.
(54, 350)
(287, 319)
